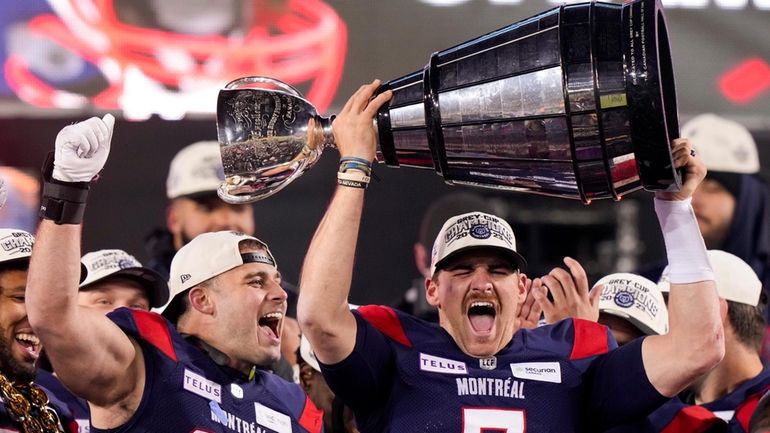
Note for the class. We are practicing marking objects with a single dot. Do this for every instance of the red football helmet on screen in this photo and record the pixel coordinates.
(187, 45)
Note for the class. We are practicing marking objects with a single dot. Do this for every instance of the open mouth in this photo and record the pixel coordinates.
(482, 315)
(271, 323)
(29, 342)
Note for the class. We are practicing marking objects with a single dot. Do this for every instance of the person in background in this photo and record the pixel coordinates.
(338, 418)
(110, 279)
(194, 207)
(630, 305)
(23, 408)
(477, 369)
(414, 301)
(724, 399)
(733, 202)
(144, 374)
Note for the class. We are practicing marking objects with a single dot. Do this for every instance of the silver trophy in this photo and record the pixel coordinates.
(576, 102)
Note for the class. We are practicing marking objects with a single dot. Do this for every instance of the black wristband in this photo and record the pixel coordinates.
(62, 202)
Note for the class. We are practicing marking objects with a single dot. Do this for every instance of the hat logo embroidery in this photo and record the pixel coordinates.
(124, 264)
(624, 299)
(480, 231)
(18, 241)
(185, 277)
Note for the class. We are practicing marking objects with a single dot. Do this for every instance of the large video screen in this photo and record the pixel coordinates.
(169, 58)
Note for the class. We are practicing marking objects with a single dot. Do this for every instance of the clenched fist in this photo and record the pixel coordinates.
(82, 149)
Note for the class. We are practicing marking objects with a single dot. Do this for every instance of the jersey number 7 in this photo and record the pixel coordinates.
(487, 420)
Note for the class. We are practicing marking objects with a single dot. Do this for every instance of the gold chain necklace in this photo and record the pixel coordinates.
(27, 405)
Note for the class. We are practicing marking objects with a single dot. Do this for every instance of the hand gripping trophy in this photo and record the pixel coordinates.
(576, 102)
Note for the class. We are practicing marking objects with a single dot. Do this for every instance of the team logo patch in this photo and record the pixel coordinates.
(488, 363)
(437, 364)
(538, 371)
(197, 384)
(480, 231)
(272, 419)
(236, 390)
(624, 299)
(17, 243)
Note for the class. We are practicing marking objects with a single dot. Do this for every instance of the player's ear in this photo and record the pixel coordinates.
(431, 292)
(523, 279)
(173, 221)
(723, 308)
(305, 375)
(200, 300)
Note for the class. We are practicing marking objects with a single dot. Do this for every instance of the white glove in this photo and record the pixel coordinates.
(82, 149)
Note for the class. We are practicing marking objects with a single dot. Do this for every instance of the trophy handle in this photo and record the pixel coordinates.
(244, 81)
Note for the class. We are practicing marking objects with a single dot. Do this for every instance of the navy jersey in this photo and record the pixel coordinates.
(77, 406)
(65, 416)
(729, 414)
(733, 410)
(408, 375)
(185, 391)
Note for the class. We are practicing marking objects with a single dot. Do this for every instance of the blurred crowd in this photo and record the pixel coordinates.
(208, 336)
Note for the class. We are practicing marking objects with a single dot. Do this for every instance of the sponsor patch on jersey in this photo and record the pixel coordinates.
(272, 419)
(436, 364)
(539, 371)
(197, 384)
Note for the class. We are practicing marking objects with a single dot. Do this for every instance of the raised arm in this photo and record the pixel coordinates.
(695, 340)
(89, 353)
(327, 271)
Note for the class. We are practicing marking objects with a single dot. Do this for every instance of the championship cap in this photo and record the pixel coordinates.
(101, 264)
(195, 169)
(15, 245)
(736, 281)
(724, 145)
(474, 230)
(205, 257)
(636, 299)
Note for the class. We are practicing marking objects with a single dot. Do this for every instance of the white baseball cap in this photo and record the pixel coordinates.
(736, 281)
(307, 354)
(195, 169)
(101, 264)
(636, 299)
(15, 245)
(474, 230)
(205, 257)
(724, 145)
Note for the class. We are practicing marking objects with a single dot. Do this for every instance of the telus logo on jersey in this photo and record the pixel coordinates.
(437, 364)
(539, 371)
(197, 384)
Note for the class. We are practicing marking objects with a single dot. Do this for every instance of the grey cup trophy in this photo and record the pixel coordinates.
(576, 102)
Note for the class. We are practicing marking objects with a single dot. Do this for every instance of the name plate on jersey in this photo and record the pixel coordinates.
(538, 371)
(436, 364)
(272, 419)
(197, 384)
